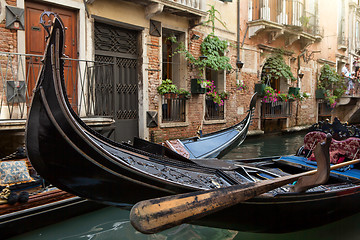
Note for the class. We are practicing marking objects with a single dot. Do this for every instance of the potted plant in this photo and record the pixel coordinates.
(331, 85)
(184, 94)
(214, 95)
(168, 89)
(241, 86)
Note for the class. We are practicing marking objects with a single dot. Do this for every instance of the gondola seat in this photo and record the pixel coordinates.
(339, 150)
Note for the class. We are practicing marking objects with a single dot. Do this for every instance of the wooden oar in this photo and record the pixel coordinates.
(155, 215)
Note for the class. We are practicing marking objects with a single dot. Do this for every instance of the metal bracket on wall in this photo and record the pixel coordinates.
(15, 91)
(151, 119)
(15, 18)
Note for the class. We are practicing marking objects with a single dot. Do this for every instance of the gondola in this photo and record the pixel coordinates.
(215, 144)
(91, 166)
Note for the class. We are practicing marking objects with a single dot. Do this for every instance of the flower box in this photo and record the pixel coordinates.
(260, 88)
(196, 86)
(294, 90)
(320, 93)
(170, 95)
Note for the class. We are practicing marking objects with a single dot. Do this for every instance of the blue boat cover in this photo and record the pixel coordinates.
(203, 146)
(342, 172)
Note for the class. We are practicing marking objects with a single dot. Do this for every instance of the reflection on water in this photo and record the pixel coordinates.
(270, 145)
(113, 223)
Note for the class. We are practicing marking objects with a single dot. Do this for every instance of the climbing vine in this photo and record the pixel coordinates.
(276, 66)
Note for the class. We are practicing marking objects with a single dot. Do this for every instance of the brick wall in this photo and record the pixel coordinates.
(8, 43)
(236, 106)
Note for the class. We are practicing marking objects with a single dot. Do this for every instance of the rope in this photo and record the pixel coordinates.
(5, 193)
(19, 153)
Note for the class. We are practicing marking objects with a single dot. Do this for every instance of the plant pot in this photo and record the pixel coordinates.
(260, 89)
(294, 90)
(320, 93)
(170, 95)
(183, 96)
(196, 87)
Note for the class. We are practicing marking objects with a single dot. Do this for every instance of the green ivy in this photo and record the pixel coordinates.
(214, 48)
(332, 83)
(278, 68)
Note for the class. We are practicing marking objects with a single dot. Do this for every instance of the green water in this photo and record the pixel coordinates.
(113, 223)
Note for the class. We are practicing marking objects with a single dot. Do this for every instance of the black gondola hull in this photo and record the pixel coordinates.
(76, 159)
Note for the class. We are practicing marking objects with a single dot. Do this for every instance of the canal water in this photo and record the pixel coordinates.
(113, 223)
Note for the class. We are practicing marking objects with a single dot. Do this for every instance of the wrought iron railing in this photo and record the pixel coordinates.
(276, 110)
(173, 109)
(212, 110)
(18, 75)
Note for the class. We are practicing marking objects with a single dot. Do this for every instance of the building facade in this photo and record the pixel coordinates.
(118, 53)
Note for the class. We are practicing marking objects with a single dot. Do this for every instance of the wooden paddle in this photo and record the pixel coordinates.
(155, 215)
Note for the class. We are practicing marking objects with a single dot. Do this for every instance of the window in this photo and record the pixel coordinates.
(212, 110)
(357, 37)
(173, 109)
(324, 111)
(173, 67)
(341, 23)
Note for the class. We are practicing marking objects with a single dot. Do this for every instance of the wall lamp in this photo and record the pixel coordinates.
(239, 64)
(300, 75)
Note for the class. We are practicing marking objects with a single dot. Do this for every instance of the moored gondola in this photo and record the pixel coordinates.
(89, 165)
(215, 144)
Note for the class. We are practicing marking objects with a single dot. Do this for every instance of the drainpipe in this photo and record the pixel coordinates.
(298, 85)
(238, 31)
(238, 40)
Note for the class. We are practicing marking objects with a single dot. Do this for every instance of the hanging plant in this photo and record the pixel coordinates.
(241, 86)
(277, 68)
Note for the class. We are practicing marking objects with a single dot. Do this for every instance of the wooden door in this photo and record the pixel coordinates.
(35, 45)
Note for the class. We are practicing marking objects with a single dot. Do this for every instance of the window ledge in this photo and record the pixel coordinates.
(174, 124)
(208, 122)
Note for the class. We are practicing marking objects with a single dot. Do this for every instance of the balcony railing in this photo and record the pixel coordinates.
(284, 12)
(18, 75)
(275, 110)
